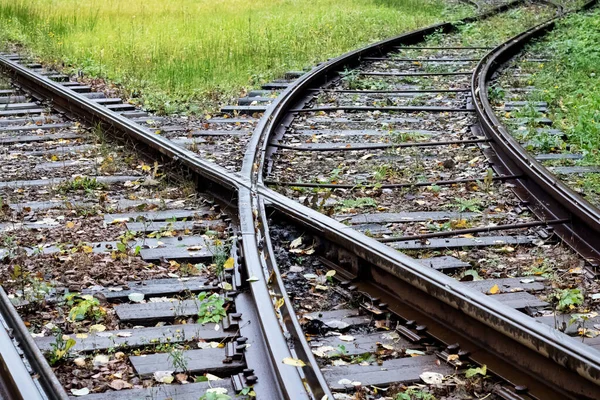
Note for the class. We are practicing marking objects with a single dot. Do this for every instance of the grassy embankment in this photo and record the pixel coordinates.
(571, 86)
(194, 54)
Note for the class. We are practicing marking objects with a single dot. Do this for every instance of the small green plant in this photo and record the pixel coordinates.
(59, 348)
(211, 308)
(341, 351)
(79, 183)
(463, 205)
(351, 78)
(568, 299)
(415, 394)
(84, 306)
(178, 360)
(361, 202)
(215, 396)
(496, 94)
(471, 372)
(248, 391)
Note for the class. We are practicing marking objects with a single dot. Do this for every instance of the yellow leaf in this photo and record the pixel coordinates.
(458, 223)
(495, 289)
(330, 273)
(294, 362)
(54, 158)
(87, 249)
(146, 168)
(279, 303)
(97, 328)
(81, 335)
(229, 263)
(70, 224)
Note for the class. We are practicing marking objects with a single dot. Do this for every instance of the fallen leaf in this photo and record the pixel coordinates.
(70, 225)
(432, 378)
(212, 377)
(294, 362)
(279, 303)
(79, 361)
(97, 328)
(100, 360)
(296, 242)
(164, 376)
(119, 384)
(182, 378)
(494, 289)
(252, 279)
(124, 334)
(136, 297)
(80, 392)
(346, 338)
(229, 263)
(330, 273)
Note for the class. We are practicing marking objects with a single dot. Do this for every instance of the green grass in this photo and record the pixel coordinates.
(570, 84)
(194, 54)
(495, 30)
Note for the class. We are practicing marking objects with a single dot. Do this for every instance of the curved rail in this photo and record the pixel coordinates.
(520, 332)
(549, 196)
(517, 328)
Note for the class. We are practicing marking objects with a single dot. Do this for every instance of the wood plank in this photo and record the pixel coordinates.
(419, 216)
(443, 263)
(361, 343)
(39, 138)
(400, 370)
(558, 156)
(362, 122)
(507, 285)
(203, 254)
(565, 323)
(198, 362)
(31, 120)
(482, 241)
(161, 215)
(34, 127)
(574, 170)
(201, 225)
(155, 288)
(520, 300)
(344, 319)
(57, 150)
(140, 337)
(190, 391)
(146, 313)
(56, 181)
(362, 132)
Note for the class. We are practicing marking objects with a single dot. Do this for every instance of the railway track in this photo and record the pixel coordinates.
(114, 252)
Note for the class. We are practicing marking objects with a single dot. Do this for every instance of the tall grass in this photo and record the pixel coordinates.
(202, 50)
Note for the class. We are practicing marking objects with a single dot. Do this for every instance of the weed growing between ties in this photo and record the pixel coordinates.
(170, 55)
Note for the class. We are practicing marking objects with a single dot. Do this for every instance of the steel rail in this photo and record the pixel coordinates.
(50, 385)
(15, 380)
(251, 193)
(550, 198)
(575, 368)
